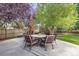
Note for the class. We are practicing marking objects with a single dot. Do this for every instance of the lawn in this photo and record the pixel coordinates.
(72, 38)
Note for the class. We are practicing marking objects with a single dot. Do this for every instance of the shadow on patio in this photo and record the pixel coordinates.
(14, 47)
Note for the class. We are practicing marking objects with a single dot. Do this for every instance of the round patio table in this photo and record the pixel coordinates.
(38, 35)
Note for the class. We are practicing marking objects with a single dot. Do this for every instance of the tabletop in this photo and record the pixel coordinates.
(40, 35)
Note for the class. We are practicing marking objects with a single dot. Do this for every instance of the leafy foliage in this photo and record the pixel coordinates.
(76, 26)
(15, 11)
(11, 11)
(59, 15)
(18, 24)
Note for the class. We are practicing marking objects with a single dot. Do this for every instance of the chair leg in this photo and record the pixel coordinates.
(25, 45)
(45, 48)
(30, 47)
(52, 46)
(38, 43)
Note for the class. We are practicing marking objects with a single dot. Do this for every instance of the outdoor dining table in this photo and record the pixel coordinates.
(39, 35)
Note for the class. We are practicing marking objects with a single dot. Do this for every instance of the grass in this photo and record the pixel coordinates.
(72, 38)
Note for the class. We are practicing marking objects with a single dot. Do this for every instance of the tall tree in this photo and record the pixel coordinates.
(59, 15)
(13, 11)
(76, 26)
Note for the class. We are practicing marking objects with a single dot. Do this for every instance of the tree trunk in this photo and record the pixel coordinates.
(30, 25)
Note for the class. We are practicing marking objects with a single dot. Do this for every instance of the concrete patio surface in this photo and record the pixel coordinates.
(14, 47)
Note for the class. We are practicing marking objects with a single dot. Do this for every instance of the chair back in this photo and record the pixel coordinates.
(49, 38)
(28, 38)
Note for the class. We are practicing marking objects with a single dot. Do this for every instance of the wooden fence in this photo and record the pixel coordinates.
(10, 33)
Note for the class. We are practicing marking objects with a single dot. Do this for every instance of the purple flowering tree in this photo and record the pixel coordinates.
(13, 11)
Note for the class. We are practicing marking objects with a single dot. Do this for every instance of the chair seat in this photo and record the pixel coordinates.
(48, 40)
(30, 41)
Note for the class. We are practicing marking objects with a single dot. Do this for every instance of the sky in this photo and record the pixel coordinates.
(34, 7)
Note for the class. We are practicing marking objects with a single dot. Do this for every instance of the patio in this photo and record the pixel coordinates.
(14, 47)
